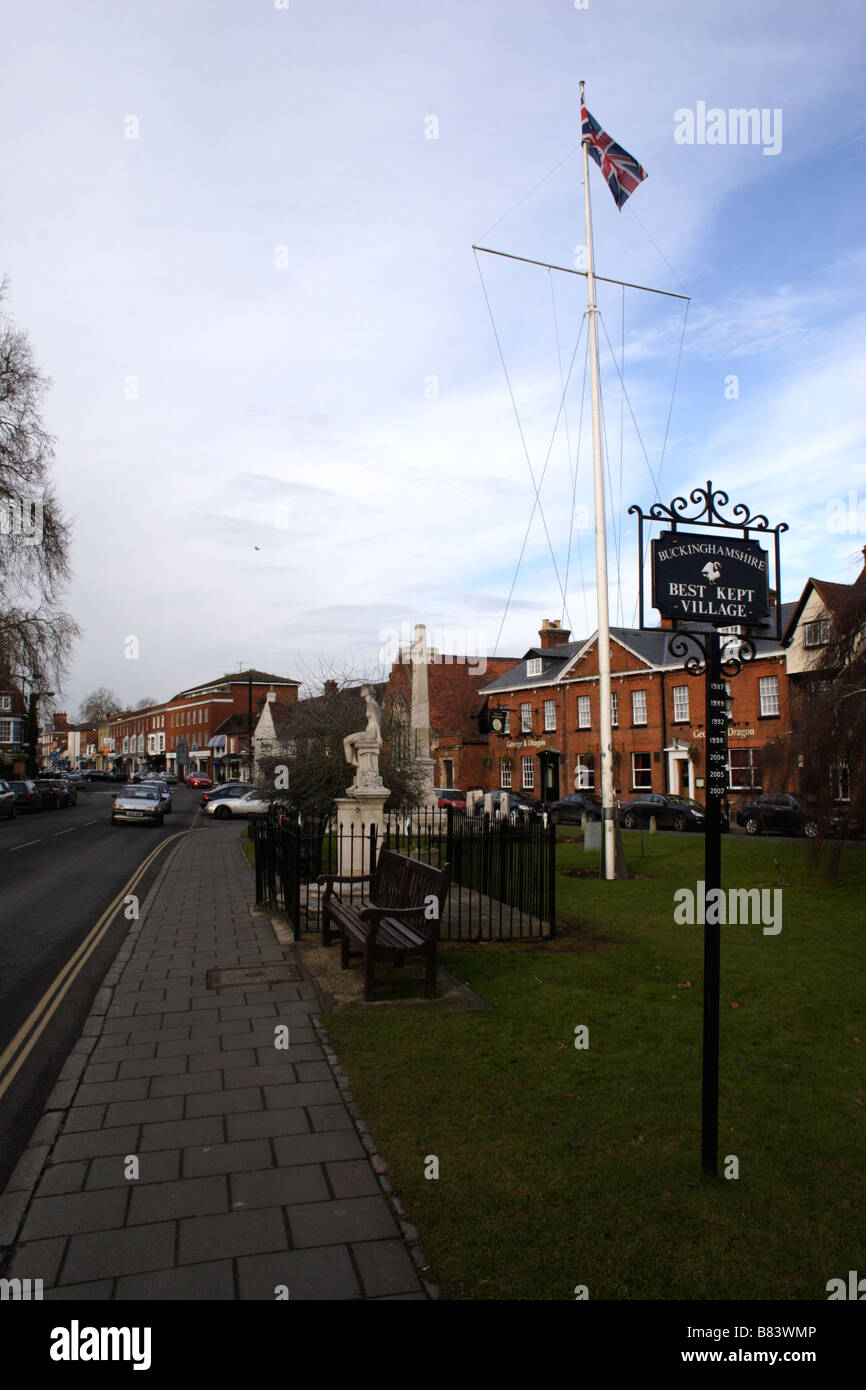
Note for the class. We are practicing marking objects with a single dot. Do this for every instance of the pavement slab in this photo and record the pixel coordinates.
(183, 1154)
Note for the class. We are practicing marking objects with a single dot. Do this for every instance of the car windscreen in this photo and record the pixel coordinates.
(139, 794)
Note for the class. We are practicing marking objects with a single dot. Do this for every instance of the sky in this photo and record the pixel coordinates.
(295, 413)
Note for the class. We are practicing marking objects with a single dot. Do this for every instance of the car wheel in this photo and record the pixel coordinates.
(222, 813)
(629, 820)
(811, 829)
(679, 822)
(753, 826)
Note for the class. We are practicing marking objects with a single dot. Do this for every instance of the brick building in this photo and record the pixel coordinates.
(551, 743)
(460, 750)
(203, 728)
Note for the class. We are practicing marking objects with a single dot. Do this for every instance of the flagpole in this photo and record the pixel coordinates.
(607, 799)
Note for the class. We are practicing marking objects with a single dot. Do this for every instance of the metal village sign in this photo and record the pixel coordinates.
(713, 581)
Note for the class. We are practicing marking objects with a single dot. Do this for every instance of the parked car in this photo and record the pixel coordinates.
(53, 794)
(780, 814)
(162, 788)
(225, 789)
(77, 779)
(449, 796)
(168, 777)
(242, 804)
(515, 805)
(69, 788)
(571, 809)
(137, 802)
(28, 797)
(7, 801)
(198, 779)
(671, 812)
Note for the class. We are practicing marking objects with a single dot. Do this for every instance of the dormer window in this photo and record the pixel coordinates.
(534, 666)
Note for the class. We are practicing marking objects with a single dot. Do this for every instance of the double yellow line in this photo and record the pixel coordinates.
(34, 1026)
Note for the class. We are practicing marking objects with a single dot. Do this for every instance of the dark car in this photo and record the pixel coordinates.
(68, 787)
(778, 813)
(571, 809)
(515, 805)
(28, 797)
(7, 801)
(52, 793)
(225, 789)
(671, 812)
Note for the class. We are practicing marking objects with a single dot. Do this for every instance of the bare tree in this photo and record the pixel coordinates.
(100, 704)
(146, 702)
(825, 754)
(36, 634)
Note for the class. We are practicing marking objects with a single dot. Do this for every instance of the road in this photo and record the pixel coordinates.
(59, 872)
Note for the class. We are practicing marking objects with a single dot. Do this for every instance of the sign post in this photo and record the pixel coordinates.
(702, 581)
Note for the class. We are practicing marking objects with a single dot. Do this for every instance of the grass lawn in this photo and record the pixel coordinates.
(560, 1167)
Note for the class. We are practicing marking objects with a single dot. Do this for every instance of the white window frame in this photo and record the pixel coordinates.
(549, 716)
(614, 709)
(505, 773)
(526, 717)
(534, 666)
(681, 700)
(638, 708)
(768, 690)
(5, 701)
(647, 772)
(823, 633)
(584, 712)
(7, 730)
(527, 773)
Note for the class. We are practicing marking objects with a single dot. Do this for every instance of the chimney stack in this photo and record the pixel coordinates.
(330, 687)
(552, 634)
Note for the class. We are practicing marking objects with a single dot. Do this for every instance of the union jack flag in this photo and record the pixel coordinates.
(621, 170)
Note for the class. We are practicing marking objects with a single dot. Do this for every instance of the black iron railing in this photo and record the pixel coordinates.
(502, 871)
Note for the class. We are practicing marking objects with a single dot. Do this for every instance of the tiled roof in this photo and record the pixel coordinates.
(650, 646)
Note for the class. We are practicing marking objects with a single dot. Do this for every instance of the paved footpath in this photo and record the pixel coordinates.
(255, 1179)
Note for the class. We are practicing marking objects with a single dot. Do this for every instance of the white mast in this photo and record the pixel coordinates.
(607, 799)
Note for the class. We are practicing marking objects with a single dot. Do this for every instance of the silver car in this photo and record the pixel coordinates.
(138, 802)
(162, 788)
(241, 804)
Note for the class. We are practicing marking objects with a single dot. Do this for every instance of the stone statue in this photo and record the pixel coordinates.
(361, 750)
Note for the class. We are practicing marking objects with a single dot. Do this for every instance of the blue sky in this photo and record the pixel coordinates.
(265, 326)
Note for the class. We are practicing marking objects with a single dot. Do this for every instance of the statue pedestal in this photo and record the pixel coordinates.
(356, 812)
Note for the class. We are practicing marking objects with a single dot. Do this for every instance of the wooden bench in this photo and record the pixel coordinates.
(398, 919)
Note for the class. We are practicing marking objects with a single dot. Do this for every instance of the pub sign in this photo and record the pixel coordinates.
(710, 579)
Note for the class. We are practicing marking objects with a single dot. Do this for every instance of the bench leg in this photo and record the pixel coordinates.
(344, 950)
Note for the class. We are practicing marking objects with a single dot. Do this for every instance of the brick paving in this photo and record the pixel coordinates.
(253, 1179)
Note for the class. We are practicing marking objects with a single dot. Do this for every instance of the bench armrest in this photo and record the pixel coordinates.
(343, 878)
(327, 882)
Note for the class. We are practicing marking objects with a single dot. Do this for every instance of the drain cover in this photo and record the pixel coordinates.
(235, 976)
